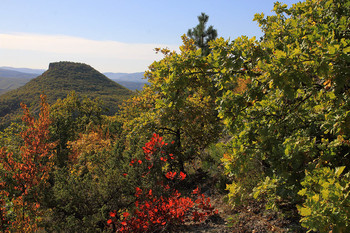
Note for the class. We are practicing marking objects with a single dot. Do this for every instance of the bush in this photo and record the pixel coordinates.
(327, 204)
(158, 203)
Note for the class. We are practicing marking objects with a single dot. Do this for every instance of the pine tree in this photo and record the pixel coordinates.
(202, 35)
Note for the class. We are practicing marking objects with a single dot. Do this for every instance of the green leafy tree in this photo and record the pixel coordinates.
(326, 205)
(71, 116)
(90, 185)
(180, 101)
(202, 35)
(285, 99)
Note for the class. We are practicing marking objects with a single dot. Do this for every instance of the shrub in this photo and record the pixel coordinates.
(327, 204)
(161, 204)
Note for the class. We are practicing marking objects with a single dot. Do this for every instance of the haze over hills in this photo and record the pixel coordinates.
(24, 70)
(132, 81)
(7, 84)
(11, 78)
(59, 80)
(130, 77)
(7, 73)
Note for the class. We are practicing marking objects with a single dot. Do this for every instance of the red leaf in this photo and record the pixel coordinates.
(182, 176)
(196, 191)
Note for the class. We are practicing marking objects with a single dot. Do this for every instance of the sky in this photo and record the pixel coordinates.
(114, 35)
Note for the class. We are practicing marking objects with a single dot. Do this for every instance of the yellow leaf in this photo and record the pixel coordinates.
(305, 211)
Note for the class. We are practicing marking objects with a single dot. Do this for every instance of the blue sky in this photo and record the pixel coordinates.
(113, 35)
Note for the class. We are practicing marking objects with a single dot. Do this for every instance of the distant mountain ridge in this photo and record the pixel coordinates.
(11, 79)
(8, 84)
(57, 82)
(24, 70)
(129, 77)
(131, 81)
(5, 73)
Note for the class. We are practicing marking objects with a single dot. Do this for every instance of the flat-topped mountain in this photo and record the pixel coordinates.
(60, 79)
(12, 78)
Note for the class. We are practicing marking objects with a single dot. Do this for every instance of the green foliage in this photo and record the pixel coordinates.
(85, 192)
(180, 101)
(95, 179)
(210, 162)
(327, 200)
(11, 138)
(267, 189)
(285, 99)
(71, 116)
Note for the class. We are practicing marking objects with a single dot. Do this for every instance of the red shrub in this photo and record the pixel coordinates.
(154, 211)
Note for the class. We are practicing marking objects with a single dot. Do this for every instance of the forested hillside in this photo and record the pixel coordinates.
(260, 124)
(12, 78)
(16, 74)
(8, 84)
(56, 83)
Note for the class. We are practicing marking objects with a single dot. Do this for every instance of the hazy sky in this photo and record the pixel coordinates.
(113, 35)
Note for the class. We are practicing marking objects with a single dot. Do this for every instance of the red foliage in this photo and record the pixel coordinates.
(182, 176)
(138, 192)
(153, 212)
(30, 170)
(3, 216)
(152, 146)
(36, 153)
(170, 175)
